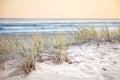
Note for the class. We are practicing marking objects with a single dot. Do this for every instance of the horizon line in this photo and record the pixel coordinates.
(68, 18)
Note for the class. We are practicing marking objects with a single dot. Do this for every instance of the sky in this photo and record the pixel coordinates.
(60, 9)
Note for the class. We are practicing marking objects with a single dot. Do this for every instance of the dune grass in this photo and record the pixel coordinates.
(30, 55)
(118, 33)
(28, 62)
(27, 55)
(37, 46)
(107, 34)
(3, 50)
(86, 34)
(5, 47)
(62, 47)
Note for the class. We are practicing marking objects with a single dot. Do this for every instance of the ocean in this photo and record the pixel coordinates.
(29, 26)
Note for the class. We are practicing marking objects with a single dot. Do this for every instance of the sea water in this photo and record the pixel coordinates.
(29, 26)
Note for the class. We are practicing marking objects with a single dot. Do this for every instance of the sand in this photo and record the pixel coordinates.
(91, 62)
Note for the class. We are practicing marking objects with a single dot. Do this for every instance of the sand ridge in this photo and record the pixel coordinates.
(95, 63)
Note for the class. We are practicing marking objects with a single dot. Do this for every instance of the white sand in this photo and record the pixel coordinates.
(95, 63)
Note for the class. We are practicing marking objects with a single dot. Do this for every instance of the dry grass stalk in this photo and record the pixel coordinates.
(107, 34)
(28, 62)
(3, 51)
(86, 34)
(27, 55)
(118, 33)
(37, 46)
(62, 47)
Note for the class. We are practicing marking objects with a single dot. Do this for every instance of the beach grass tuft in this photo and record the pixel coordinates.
(3, 50)
(62, 47)
(107, 34)
(118, 33)
(86, 34)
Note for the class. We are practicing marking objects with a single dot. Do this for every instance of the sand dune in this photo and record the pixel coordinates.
(90, 63)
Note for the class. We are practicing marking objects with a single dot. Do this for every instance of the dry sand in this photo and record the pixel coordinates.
(92, 62)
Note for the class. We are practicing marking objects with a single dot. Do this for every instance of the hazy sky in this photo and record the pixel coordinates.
(59, 8)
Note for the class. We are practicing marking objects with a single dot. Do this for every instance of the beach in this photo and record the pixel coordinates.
(59, 39)
(91, 60)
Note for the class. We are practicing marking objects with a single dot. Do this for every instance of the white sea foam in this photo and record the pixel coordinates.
(37, 25)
